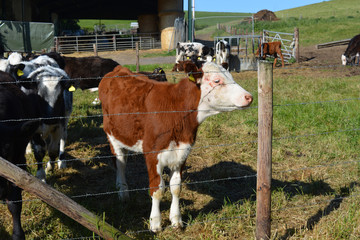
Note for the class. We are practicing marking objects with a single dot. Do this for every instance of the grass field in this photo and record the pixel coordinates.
(315, 168)
(316, 163)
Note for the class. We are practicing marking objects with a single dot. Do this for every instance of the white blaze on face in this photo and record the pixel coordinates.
(219, 92)
(15, 58)
(343, 60)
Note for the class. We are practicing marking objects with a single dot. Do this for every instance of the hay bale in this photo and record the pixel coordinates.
(265, 15)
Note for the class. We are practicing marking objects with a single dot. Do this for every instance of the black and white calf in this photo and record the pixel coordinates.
(352, 51)
(15, 135)
(222, 52)
(52, 88)
(14, 58)
(189, 49)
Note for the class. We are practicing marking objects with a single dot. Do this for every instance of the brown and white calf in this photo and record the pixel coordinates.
(165, 131)
(271, 49)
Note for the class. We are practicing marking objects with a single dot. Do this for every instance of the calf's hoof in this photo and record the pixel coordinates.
(155, 225)
(61, 164)
(40, 174)
(176, 222)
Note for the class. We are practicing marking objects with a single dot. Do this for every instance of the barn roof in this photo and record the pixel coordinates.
(95, 9)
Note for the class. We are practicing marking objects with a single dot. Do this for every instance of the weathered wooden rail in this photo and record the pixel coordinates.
(59, 201)
(333, 44)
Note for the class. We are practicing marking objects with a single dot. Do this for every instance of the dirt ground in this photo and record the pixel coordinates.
(320, 57)
(128, 57)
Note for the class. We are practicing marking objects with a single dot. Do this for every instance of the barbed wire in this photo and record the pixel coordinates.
(167, 112)
(192, 148)
(134, 74)
(146, 189)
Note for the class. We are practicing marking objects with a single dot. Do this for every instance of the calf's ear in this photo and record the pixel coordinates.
(17, 70)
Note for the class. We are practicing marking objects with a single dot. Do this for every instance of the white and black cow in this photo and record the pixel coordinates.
(52, 87)
(352, 51)
(189, 49)
(222, 53)
(14, 58)
(15, 135)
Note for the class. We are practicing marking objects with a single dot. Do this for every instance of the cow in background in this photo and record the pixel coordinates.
(158, 74)
(188, 49)
(86, 71)
(222, 53)
(271, 49)
(352, 51)
(13, 59)
(52, 89)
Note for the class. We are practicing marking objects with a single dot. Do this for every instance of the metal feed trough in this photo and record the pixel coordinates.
(242, 51)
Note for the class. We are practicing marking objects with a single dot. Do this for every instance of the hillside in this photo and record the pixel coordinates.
(326, 9)
(318, 23)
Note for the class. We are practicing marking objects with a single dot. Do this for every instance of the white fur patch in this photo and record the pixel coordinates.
(118, 145)
(174, 156)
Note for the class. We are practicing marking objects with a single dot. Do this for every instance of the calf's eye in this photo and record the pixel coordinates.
(217, 81)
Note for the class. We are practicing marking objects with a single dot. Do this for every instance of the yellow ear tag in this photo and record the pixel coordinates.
(72, 88)
(191, 78)
(20, 72)
(199, 58)
(187, 57)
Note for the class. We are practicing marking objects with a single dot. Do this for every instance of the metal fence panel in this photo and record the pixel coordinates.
(287, 42)
(107, 42)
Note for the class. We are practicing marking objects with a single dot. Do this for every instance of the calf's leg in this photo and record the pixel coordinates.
(175, 188)
(121, 183)
(121, 158)
(157, 188)
(14, 205)
(63, 137)
(39, 149)
(54, 146)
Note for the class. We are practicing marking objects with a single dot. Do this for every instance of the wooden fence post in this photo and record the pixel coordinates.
(297, 49)
(58, 200)
(95, 49)
(137, 57)
(265, 115)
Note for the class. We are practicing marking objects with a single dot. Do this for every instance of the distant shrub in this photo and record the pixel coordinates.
(220, 33)
(200, 26)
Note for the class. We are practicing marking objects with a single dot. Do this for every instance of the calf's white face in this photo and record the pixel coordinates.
(219, 92)
(343, 60)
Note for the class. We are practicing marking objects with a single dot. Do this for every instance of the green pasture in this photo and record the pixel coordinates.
(316, 167)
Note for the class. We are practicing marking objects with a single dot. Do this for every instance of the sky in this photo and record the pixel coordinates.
(247, 6)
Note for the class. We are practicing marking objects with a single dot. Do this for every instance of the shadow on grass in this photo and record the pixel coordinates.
(97, 175)
(313, 220)
(4, 234)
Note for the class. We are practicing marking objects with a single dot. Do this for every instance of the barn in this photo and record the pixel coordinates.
(152, 15)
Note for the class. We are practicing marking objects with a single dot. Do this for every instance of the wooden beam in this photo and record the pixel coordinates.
(333, 44)
(58, 200)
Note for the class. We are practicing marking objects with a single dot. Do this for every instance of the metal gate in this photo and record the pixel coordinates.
(242, 51)
(287, 42)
